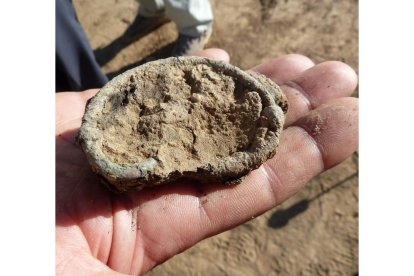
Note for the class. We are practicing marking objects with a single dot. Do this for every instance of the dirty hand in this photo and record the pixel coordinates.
(101, 232)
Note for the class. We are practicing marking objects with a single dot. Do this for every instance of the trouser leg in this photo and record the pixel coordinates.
(192, 17)
(76, 67)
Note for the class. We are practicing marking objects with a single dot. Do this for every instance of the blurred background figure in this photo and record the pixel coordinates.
(78, 69)
(194, 19)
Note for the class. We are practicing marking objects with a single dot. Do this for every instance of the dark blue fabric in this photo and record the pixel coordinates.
(76, 66)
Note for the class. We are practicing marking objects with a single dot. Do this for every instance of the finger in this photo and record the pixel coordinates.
(318, 85)
(74, 261)
(323, 138)
(320, 140)
(284, 68)
(326, 81)
(69, 108)
(213, 53)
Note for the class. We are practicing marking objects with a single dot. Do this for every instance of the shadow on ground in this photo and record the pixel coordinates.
(134, 32)
(161, 53)
(281, 218)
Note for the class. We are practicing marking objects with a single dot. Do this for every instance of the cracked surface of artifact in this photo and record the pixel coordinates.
(181, 118)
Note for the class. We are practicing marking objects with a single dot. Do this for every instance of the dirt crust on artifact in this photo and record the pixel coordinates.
(184, 117)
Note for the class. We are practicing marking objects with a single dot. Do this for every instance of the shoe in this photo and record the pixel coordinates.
(141, 26)
(187, 45)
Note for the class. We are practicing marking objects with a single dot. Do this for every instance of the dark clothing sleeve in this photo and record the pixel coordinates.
(76, 66)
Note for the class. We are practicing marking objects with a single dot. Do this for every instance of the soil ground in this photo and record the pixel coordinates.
(316, 231)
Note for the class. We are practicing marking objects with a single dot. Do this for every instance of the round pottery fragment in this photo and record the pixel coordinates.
(181, 118)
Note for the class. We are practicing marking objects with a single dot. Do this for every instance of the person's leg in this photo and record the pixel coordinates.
(194, 19)
(76, 67)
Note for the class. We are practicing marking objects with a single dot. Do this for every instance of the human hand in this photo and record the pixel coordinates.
(101, 232)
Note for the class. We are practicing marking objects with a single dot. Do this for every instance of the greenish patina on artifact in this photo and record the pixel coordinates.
(185, 117)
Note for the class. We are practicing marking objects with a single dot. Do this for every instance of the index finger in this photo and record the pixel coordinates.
(306, 85)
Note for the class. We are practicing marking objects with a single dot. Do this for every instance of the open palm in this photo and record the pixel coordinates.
(101, 232)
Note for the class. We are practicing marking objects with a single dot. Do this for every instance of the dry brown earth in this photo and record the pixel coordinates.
(316, 231)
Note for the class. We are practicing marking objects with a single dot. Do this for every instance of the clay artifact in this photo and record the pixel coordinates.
(181, 118)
